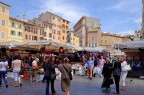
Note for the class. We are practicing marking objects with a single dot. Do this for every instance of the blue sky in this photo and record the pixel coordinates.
(116, 16)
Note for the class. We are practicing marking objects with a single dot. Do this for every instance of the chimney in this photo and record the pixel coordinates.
(24, 18)
(18, 17)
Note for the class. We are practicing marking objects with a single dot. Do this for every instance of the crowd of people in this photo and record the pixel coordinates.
(88, 66)
(111, 70)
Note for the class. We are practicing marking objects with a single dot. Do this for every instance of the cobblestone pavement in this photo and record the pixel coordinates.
(79, 86)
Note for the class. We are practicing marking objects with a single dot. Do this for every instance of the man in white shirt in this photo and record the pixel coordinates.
(34, 69)
(101, 64)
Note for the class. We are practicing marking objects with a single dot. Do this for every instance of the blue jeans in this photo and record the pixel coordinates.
(3, 75)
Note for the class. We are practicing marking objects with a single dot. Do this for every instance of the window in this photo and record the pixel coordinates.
(26, 28)
(63, 20)
(53, 18)
(30, 37)
(44, 34)
(58, 26)
(59, 19)
(35, 30)
(95, 44)
(89, 45)
(12, 24)
(63, 37)
(26, 36)
(66, 27)
(3, 22)
(20, 34)
(3, 9)
(20, 26)
(58, 38)
(54, 32)
(13, 32)
(50, 35)
(2, 35)
(45, 26)
(41, 38)
(58, 32)
(53, 37)
(92, 45)
(31, 29)
(35, 38)
(63, 31)
(67, 22)
(63, 26)
(54, 25)
(50, 27)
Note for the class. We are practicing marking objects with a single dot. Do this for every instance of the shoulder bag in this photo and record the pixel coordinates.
(21, 72)
(126, 68)
(70, 75)
(117, 71)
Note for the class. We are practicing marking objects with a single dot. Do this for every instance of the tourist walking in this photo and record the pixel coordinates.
(116, 74)
(107, 72)
(123, 73)
(16, 67)
(84, 60)
(66, 76)
(3, 71)
(101, 64)
(35, 69)
(90, 66)
(50, 75)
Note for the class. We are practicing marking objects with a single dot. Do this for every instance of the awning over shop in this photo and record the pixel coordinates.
(130, 45)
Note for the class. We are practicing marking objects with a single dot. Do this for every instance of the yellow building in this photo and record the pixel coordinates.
(74, 39)
(4, 20)
(16, 30)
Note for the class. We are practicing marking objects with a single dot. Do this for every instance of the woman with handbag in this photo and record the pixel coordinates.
(66, 76)
(124, 72)
(16, 67)
(3, 71)
(50, 75)
(116, 74)
(107, 72)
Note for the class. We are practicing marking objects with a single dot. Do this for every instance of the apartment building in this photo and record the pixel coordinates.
(16, 30)
(108, 40)
(84, 25)
(4, 21)
(33, 32)
(60, 26)
(46, 25)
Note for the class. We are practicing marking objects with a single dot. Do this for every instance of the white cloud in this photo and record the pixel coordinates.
(64, 9)
(127, 6)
